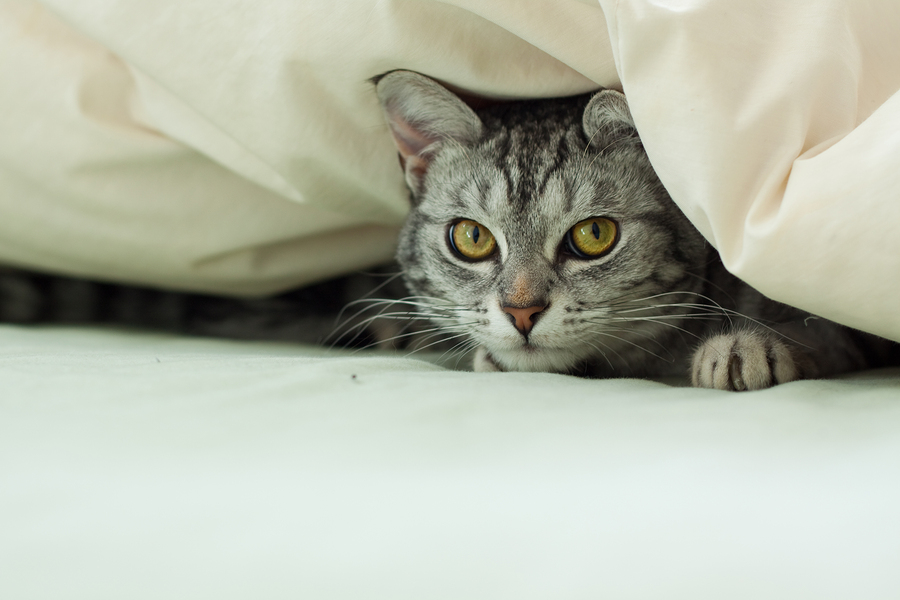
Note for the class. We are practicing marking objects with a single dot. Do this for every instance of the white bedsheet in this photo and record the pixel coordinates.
(145, 466)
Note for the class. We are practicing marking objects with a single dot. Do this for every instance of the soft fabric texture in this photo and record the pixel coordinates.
(237, 147)
(776, 127)
(145, 466)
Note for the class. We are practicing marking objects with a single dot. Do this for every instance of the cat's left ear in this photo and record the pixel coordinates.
(607, 119)
(423, 115)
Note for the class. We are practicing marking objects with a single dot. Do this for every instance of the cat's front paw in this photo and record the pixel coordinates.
(484, 362)
(744, 360)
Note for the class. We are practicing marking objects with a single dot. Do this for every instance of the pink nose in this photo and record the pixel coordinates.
(523, 318)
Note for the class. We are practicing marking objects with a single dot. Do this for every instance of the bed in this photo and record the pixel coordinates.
(236, 148)
(144, 466)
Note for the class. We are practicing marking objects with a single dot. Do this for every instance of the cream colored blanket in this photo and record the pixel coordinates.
(236, 146)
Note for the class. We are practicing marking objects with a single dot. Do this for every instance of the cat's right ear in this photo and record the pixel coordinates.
(423, 115)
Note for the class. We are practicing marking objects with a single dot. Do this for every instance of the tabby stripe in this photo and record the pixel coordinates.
(560, 158)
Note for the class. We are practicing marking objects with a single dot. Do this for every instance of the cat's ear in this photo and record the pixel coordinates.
(607, 119)
(422, 115)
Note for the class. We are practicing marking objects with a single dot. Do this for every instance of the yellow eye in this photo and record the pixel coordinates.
(472, 240)
(592, 237)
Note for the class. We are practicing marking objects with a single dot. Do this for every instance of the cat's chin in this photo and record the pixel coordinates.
(526, 358)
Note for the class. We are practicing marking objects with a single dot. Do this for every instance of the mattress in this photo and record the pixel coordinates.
(137, 465)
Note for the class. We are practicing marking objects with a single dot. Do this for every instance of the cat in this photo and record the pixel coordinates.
(540, 236)
(306, 315)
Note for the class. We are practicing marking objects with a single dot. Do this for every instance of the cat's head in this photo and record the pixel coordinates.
(534, 225)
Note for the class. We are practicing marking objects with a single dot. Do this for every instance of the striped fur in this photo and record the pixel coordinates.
(659, 303)
(307, 315)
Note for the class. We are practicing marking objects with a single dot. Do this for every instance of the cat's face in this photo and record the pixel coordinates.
(537, 228)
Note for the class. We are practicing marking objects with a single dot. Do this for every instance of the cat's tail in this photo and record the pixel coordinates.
(306, 315)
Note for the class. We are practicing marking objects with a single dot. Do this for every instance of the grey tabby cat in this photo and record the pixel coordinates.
(540, 235)
(305, 315)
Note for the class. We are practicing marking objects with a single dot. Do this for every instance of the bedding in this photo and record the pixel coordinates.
(237, 147)
(144, 466)
(776, 127)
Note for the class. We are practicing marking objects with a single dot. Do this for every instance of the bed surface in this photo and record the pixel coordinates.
(239, 148)
(145, 466)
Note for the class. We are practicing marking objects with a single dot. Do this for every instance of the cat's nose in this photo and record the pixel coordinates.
(523, 318)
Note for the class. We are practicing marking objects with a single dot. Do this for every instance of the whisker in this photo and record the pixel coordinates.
(342, 330)
(603, 354)
(428, 335)
(423, 310)
(710, 283)
(374, 302)
(638, 346)
(717, 309)
(644, 334)
(447, 339)
(657, 322)
(465, 350)
(588, 146)
(647, 337)
(604, 149)
(704, 316)
(460, 349)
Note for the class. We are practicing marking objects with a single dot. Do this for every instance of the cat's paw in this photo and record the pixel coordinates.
(744, 360)
(484, 362)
